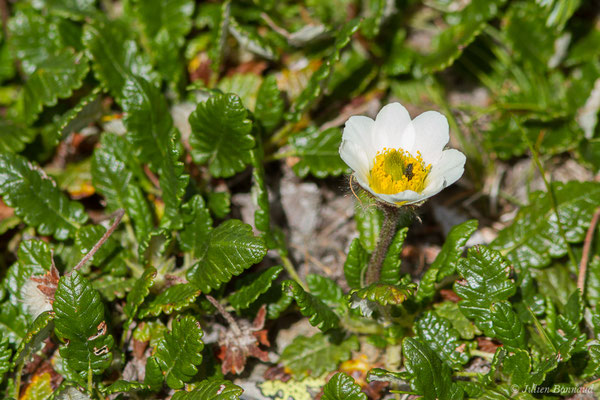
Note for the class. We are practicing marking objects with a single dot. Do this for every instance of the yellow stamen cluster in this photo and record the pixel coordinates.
(395, 170)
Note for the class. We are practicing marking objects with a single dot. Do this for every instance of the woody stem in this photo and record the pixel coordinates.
(391, 216)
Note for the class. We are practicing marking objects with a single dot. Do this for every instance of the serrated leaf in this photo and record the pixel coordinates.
(115, 181)
(269, 104)
(317, 354)
(486, 275)
(219, 36)
(390, 269)
(115, 56)
(178, 353)
(230, 249)
(80, 321)
(251, 41)
(326, 289)
(123, 386)
(518, 367)
(384, 294)
(36, 198)
(34, 258)
(534, 238)
(249, 293)
(13, 323)
(174, 298)
(260, 195)
(244, 85)
(37, 333)
(221, 135)
(342, 387)
(431, 377)
(506, 326)
(87, 237)
(219, 204)
(60, 74)
(318, 152)
(33, 38)
(14, 136)
(214, 389)
(445, 263)
(5, 355)
(375, 11)
(151, 132)
(138, 294)
(317, 312)
(356, 264)
(87, 110)
(313, 89)
(438, 334)
(197, 226)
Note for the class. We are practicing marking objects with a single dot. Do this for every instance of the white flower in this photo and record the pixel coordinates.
(398, 160)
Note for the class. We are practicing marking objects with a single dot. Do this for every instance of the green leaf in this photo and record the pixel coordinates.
(219, 204)
(87, 111)
(165, 25)
(445, 263)
(36, 199)
(319, 152)
(533, 239)
(368, 222)
(326, 289)
(317, 312)
(317, 354)
(34, 39)
(250, 292)
(451, 312)
(384, 294)
(314, 87)
(506, 325)
(431, 377)
(56, 79)
(219, 37)
(251, 41)
(269, 104)
(14, 136)
(518, 367)
(140, 291)
(13, 323)
(5, 354)
(486, 282)
(390, 269)
(342, 387)
(260, 195)
(449, 44)
(87, 237)
(116, 58)
(179, 351)
(197, 226)
(439, 335)
(122, 386)
(221, 135)
(80, 321)
(244, 85)
(113, 287)
(174, 298)
(151, 132)
(375, 12)
(214, 389)
(356, 264)
(113, 178)
(230, 249)
(34, 258)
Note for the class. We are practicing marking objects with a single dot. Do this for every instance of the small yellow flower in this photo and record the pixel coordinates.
(399, 160)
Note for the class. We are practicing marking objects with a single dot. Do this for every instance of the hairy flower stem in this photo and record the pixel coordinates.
(391, 216)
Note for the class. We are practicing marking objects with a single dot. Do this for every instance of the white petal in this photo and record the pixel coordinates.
(355, 157)
(448, 169)
(431, 135)
(390, 126)
(360, 130)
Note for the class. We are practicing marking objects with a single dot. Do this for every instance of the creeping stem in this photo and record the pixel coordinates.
(391, 215)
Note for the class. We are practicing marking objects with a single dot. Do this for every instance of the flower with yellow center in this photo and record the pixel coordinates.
(399, 160)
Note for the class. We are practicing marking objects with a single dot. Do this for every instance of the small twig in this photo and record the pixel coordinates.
(233, 325)
(119, 215)
(587, 245)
